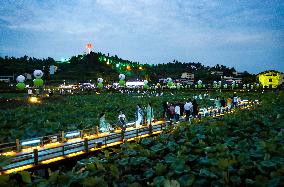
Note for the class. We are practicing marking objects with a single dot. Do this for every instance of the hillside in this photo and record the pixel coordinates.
(91, 66)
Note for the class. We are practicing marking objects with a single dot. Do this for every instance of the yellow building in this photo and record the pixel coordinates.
(271, 78)
(281, 81)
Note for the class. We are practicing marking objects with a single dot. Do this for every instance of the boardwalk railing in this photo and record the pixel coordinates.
(43, 150)
(34, 156)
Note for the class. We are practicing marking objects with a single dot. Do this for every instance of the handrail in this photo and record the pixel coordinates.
(84, 144)
(17, 147)
(39, 156)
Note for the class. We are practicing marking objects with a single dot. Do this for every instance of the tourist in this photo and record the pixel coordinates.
(122, 119)
(195, 108)
(223, 104)
(235, 101)
(218, 103)
(139, 114)
(165, 109)
(229, 103)
(172, 111)
(187, 109)
(150, 114)
(177, 112)
(104, 126)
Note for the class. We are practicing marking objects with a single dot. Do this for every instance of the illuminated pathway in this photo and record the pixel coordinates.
(38, 152)
(39, 155)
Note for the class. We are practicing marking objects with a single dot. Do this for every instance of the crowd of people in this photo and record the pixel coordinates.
(222, 103)
(140, 118)
(171, 111)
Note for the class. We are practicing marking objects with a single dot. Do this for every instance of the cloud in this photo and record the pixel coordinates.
(151, 31)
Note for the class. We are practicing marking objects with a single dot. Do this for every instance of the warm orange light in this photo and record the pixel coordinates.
(18, 169)
(140, 68)
(52, 160)
(89, 46)
(75, 154)
(128, 68)
(10, 153)
(34, 100)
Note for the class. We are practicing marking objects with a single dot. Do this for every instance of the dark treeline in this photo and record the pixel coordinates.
(91, 66)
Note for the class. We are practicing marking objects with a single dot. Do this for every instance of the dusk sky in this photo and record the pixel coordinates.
(248, 35)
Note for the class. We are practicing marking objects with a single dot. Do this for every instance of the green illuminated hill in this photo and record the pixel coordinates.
(94, 65)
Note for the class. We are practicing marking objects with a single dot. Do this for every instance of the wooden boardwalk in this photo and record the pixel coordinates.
(52, 152)
(41, 152)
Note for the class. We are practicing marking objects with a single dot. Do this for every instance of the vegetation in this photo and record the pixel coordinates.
(242, 149)
(24, 120)
(94, 65)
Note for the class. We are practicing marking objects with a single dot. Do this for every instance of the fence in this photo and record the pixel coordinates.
(43, 150)
(83, 144)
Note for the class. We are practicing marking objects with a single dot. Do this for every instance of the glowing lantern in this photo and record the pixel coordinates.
(199, 84)
(21, 78)
(140, 68)
(178, 86)
(38, 81)
(34, 100)
(169, 82)
(21, 85)
(146, 86)
(100, 83)
(89, 46)
(128, 67)
(121, 80)
(121, 76)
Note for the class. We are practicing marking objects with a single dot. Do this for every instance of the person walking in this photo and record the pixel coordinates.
(139, 114)
(104, 126)
(187, 109)
(235, 101)
(150, 114)
(172, 111)
(177, 112)
(217, 103)
(229, 103)
(165, 109)
(223, 104)
(195, 108)
(122, 120)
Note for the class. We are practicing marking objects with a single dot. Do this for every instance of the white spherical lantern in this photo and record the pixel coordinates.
(21, 78)
(169, 79)
(100, 80)
(121, 76)
(38, 74)
(199, 82)
(145, 82)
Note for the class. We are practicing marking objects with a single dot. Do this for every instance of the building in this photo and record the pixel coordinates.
(229, 80)
(281, 80)
(187, 76)
(7, 79)
(238, 73)
(271, 79)
(186, 81)
(219, 73)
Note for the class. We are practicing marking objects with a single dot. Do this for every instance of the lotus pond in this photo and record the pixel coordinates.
(242, 149)
(23, 120)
